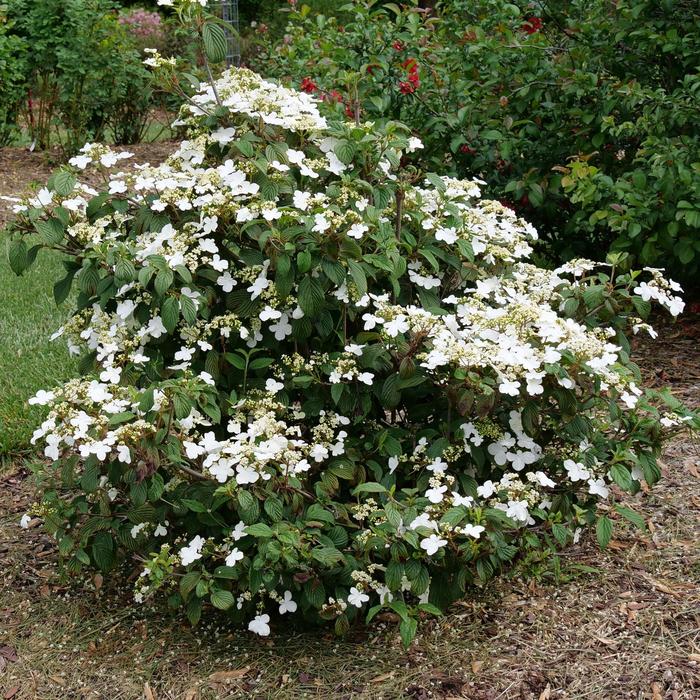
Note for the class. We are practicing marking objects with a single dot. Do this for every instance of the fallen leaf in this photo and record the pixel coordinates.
(8, 652)
(664, 588)
(476, 666)
(656, 693)
(607, 641)
(147, 692)
(98, 581)
(546, 693)
(691, 466)
(58, 680)
(191, 694)
(383, 677)
(694, 657)
(228, 676)
(11, 692)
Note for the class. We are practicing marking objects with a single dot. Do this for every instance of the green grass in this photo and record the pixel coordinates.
(28, 360)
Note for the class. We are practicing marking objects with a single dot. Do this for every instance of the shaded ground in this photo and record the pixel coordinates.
(625, 624)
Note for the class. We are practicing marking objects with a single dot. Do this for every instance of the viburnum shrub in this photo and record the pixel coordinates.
(313, 386)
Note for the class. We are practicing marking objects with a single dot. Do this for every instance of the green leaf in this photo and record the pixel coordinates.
(284, 279)
(394, 575)
(64, 183)
(407, 630)
(103, 550)
(124, 270)
(603, 531)
(304, 261)
(311, 296)
(431, 609)
(188, 308)
(317, 512)
(194, 506)
(259, 530)
(170, 313)
(400, 608)
(194, 610)
(561, 534)
(17, 256)
(223, 600)
(227, 572)
(369, 487)
(164, 279)
(635, 518)
(215, 43)
(328, 556)
(621, 476)
(273, 507)
(358, 276)
(51, 230)
(345, 151)
(372, 612)
(189, 582)
(61, 289)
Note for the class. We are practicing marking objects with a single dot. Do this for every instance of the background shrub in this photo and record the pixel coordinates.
(83, 72)
(13, 81)
(582, 116)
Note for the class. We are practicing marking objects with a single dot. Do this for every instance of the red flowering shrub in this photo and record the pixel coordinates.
(604, 143)
(308, 85)
(532, 25)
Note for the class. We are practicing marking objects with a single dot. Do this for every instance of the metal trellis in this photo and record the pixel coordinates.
(229, 13)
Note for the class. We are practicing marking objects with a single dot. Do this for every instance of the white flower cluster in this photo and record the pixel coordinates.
(259, 236)
(244, 92)
(262, 445)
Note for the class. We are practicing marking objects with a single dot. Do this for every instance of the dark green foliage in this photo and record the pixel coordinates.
(84, 78)
(582, 115)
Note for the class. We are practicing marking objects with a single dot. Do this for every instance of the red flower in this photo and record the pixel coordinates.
(413, 80)
(398, 46)
(532, 25)
(467, 149)
(308, 85)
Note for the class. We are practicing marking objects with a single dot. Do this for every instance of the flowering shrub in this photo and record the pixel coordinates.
(145, 28)
(583, 117)
(314, 386)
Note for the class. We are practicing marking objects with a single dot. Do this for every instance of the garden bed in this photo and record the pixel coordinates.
(624, 624)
